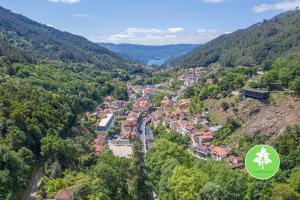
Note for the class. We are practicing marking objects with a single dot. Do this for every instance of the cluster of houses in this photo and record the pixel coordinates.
(201, 137)
(137, 91)
(131, 125)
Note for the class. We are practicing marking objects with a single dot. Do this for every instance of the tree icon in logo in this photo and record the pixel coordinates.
(262, 158)
(262, 162)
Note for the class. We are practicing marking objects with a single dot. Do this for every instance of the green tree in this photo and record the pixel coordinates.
(141, 187)
(282, 191)
(211, 191)
(185, 183)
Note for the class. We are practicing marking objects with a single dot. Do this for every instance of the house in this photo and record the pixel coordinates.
(202, 136)
(142, 105)
(255, 94)
(189, 126)
(116, 105)
(106, 122)
(156, 118)
(148, 92)
(65, 194)
(207, 137)
(235, 162)
(198, 118)
(202, 150)
(183, 104)
(215, 128)
(127, 134)
(218, 153)
(132, 123)
(180, 114)
(99, 143)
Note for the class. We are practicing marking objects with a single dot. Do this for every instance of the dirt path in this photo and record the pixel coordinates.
(32, 189)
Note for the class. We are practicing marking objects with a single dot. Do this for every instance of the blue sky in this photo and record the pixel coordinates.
(149, 21)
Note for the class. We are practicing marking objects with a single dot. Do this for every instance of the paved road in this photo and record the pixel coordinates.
(143, 135)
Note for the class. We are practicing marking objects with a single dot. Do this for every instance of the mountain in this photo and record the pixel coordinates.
(23, 39)
(151, 55)
(255, 45)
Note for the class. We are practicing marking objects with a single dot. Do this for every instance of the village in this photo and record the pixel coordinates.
(172, 113)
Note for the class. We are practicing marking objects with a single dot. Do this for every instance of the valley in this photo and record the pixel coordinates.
(102, 121)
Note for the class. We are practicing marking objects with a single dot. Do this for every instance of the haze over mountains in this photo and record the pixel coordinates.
(150, 55)
(260, 43)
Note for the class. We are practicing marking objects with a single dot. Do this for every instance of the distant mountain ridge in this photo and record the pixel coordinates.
(26, 40)
(255, 45)
(150, 54)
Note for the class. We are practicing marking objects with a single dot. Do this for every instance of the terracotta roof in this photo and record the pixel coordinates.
(99, 149)
(219, 151)
(128, 133)
(100, 141)
(190, 126)
(206, 136)
(64, 194)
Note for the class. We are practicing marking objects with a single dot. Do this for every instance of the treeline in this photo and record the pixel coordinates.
(259, 44)
(177, 175)
(284, 74)
(38, 117)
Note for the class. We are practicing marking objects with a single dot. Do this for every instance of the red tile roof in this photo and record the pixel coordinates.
(64, 194)
(219, 151)
(128, 133)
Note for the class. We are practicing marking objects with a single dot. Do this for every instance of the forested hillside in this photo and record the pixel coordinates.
(47, 79)
(149, 54)
(255, 45)
(26, 40)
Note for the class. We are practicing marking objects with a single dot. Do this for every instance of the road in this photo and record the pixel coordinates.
(143, 135)
(32, 189)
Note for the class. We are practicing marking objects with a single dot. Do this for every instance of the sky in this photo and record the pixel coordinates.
(150, 22)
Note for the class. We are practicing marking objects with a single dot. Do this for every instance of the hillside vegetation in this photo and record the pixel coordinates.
(23, 39)
(258, 44)
(48, 78)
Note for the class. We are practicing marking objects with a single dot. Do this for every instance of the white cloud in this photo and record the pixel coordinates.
(80, 15)
(144, 30)
(65, 1)
(281, 6)
(213, 1)
(175, 30)
(155, 36)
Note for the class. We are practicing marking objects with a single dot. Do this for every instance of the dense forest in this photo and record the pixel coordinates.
(47, 79)
(256, 45)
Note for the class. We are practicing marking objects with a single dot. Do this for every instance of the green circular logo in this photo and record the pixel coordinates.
(262, 162)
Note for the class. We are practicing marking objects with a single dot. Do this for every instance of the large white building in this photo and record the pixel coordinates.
(106, 123)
